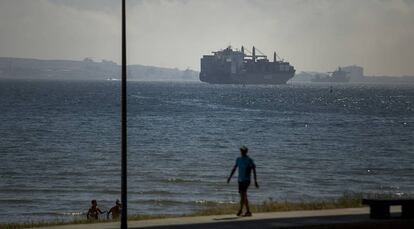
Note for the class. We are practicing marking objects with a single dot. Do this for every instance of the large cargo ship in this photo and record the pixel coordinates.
(230, 66)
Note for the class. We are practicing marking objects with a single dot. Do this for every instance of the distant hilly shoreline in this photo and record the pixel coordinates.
(87, 69)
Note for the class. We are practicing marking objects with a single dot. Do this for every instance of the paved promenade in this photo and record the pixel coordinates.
(335, 218)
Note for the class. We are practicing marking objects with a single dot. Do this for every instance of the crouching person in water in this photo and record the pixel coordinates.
(245, 165)
(94, 211)
(115, 210)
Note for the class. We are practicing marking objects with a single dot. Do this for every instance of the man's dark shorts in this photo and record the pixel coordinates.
(243, 186)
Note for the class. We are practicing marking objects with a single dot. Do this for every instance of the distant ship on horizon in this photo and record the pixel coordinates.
(337, 76)
(230, 66)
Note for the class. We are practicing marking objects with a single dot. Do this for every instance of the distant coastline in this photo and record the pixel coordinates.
(87, 69)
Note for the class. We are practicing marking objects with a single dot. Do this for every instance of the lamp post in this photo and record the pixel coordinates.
(124, 213)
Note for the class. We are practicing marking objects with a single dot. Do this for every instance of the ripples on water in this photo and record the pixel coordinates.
(59, 144)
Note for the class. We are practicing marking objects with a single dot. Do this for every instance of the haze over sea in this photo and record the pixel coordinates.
(59, 144)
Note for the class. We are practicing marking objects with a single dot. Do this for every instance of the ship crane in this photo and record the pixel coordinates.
(253, 53)
(263, 55)
(276, 57)
(254, 56)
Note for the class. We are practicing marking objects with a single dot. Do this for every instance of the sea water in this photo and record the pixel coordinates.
(60, 144)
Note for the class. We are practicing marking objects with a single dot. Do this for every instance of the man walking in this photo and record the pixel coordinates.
(245, 165)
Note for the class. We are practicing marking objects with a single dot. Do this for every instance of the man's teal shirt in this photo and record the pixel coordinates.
(245, 165)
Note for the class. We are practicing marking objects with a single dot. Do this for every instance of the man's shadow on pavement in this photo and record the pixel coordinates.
(227, 218)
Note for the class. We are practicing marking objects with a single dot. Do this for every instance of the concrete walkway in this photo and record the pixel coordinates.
(335, 218)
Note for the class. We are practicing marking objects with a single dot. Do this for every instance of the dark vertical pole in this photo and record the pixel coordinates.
(124, 218)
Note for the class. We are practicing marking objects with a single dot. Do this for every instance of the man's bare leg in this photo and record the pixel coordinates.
(246, 202)
(241, 204)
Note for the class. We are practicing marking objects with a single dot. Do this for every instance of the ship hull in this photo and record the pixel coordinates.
(248, 78)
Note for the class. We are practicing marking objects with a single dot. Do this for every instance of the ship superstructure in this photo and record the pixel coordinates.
(230, 66)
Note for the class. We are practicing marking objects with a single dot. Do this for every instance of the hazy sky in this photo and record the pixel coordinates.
(312, 34)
